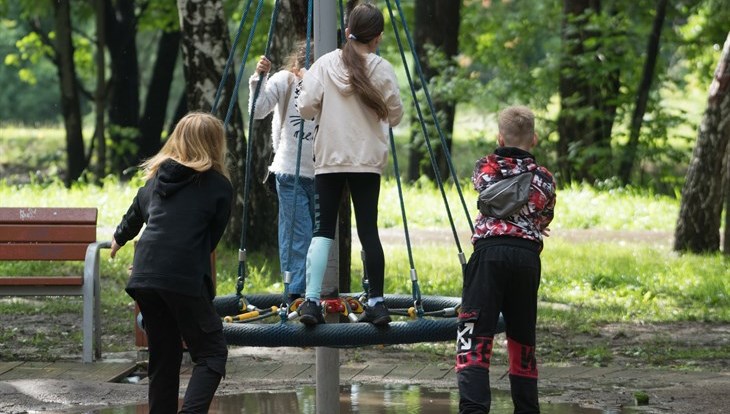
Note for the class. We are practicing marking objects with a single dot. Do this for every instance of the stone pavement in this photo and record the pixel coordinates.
(61, 386)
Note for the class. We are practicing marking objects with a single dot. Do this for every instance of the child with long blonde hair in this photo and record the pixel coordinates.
(185, 205)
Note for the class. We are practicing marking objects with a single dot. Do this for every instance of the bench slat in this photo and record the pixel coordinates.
(43, 251)
(69, 215)
(42, 281)
(60, 290)
(84, 233)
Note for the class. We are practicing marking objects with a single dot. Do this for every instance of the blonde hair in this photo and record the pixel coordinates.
(365, 24)
(198, 142)
(516, 125)
(297, 59)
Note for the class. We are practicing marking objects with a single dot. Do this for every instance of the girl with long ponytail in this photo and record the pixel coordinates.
(353, 96)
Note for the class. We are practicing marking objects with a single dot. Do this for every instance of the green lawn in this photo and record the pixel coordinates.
(585, 283)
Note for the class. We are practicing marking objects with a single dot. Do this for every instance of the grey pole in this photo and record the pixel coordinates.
(328, 359)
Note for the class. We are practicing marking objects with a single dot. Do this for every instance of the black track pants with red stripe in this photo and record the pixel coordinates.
(502, 276)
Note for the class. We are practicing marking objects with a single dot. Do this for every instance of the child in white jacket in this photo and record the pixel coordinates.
(279, 94)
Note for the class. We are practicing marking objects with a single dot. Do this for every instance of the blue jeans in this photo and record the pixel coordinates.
(299, 230)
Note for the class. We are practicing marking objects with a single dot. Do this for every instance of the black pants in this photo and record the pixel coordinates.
(365, 191)
(168, 317)
(502, 275)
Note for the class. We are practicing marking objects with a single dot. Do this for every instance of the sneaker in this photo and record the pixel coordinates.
(377, 314)
(310, 313)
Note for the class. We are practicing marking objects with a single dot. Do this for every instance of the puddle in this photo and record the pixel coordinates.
(361, 399)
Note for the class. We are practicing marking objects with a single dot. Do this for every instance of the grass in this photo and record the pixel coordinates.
(606, 281)
(583, 286)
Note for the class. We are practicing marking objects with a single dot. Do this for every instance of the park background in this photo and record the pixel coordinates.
(628, 117)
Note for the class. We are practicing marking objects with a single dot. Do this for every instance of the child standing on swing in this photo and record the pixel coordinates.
(279, 94)
(353, 95)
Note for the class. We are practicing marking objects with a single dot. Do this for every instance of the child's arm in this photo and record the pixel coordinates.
(548, 212)
(271, 91)
(392, 98)
(130, 225)
(220, 221)
(483, 174)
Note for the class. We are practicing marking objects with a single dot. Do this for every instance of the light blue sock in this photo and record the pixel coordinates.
(319, 251)
(374, 300)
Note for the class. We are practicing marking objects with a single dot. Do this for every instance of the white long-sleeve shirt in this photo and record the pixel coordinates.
(284, 131)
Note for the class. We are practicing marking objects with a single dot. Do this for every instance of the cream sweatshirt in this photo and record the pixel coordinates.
(349, 137)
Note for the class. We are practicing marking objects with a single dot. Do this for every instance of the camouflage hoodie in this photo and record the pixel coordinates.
(535, 216)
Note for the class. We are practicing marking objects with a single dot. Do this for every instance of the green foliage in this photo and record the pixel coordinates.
(158, 14)
(30, 93)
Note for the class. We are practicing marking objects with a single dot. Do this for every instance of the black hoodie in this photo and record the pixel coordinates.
(185, 212)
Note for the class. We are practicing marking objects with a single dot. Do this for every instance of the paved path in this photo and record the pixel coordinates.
(60, 386)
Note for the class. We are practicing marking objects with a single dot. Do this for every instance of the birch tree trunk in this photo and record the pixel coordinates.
(205, 48)
(698, 225)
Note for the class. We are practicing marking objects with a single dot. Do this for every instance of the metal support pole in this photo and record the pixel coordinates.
(328, 359)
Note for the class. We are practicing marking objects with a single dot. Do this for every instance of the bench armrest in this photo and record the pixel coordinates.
(92, 301)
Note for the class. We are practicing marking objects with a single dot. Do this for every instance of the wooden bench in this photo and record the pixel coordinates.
(57, 234)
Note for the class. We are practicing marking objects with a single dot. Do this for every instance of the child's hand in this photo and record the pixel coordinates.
(264, 66)
(115, 248)
(545, 231)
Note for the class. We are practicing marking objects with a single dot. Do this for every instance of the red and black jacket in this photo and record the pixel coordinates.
(535, 216)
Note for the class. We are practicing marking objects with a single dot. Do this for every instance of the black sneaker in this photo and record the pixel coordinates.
(377, 314)
(310, 313)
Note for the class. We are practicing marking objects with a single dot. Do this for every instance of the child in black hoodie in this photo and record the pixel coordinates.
(185, 204)
(503, 273)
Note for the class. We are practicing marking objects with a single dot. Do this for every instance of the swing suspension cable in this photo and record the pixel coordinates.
(416, 290)
(426, 139)
(424, 84)
(307, 60)
(242, 270)
(239, 76)
(229, 62)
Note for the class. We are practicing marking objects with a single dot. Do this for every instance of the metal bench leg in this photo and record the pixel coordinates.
(92, 302)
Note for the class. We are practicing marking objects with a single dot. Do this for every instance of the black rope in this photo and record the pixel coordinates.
(224, 78)
(249, 150)
(424, 85)
(437, 174)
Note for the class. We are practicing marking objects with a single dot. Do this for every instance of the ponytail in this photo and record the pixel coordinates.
(365, 23)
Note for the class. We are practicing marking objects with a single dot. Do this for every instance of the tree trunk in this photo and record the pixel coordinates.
(158, 94)
(180, 110)
(642, 95)
(587, 99)
(436, 24)
(205, 48)
(70, 106)
(698, 225)
(100, 96)
(121, 32)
